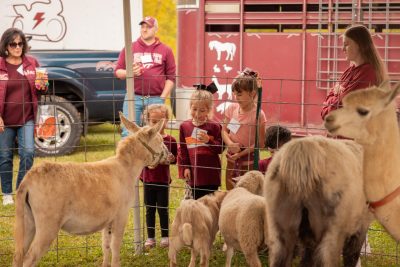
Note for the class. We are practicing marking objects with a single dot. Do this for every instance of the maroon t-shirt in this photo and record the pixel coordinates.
(354, 78)
(18, 107)
(158, 65)
(263, 164)
(161, 174)
(203, 160)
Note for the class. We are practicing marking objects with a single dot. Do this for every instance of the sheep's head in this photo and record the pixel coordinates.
(364, 114)
(253, 181)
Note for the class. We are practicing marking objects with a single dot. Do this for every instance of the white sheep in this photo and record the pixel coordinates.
(242, 218)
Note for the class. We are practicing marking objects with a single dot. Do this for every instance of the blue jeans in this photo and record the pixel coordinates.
(26, 152)
(140, 103)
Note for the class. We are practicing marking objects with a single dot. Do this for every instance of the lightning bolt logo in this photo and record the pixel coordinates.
(39, 18)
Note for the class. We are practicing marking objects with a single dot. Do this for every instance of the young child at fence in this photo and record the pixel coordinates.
(275, 137)
(239, 126)
(201, 144)
(156, 181)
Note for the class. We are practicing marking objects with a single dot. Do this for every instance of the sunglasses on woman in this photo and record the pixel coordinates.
(14, 44)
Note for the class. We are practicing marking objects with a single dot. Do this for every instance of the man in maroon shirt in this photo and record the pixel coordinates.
(153, 68)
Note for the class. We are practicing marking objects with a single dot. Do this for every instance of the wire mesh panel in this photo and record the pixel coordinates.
(100, 142)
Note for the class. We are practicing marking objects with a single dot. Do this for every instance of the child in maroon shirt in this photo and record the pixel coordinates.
(156, 181)
(200, 146)
(275, 137)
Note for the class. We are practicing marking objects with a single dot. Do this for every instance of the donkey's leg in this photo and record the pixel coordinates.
(352, 248)
(29, 228)
(117, 233)
(46, 232)
(193, 255)
(175, 245)
(205, 257)
(252, 258)
(229, 254)
(106, 235)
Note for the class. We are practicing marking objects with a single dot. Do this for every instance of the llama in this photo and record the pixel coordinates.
(83, 198)
(369, 116)
(313, 190)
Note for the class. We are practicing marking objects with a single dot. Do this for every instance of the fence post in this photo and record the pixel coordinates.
(256, 143)
(131, 116)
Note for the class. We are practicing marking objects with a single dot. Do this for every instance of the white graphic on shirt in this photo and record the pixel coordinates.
(4, 77)
(148, 60)
(20, 70)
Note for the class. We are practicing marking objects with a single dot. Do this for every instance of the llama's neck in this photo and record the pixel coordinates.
(382, 158)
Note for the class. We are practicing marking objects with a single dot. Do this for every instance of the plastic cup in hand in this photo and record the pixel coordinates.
(41, 81)
(140, 65)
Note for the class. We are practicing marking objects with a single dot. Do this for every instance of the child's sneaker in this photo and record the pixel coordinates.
(7, 200)
(150, 243)
(164, 242)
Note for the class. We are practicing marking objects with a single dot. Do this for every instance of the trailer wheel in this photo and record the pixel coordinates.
(68, 128)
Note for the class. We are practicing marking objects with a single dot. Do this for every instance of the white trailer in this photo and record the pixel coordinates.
(70, 24)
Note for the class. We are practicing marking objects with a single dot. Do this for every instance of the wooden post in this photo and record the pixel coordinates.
(131, 117)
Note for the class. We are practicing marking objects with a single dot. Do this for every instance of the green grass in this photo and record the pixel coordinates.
(70, 250)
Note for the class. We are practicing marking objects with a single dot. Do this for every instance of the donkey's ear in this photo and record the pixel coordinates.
(156, 128)
(392, 94)
(130, 126)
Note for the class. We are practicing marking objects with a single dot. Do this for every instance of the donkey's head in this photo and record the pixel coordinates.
(146, 141)
(365, 114)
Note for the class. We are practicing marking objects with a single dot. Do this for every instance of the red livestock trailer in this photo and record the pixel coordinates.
(295, 46)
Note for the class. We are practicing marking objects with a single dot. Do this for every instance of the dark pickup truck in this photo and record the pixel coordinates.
(82, 91)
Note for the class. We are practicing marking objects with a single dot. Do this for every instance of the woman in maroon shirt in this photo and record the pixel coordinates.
(18, 105)
(366, 68)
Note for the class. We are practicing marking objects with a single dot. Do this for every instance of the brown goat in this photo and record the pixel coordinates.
(83, 198)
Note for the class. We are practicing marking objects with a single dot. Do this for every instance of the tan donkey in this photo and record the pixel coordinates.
(369, 116)
(83, 198)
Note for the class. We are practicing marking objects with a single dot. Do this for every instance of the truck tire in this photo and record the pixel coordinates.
(68, 129)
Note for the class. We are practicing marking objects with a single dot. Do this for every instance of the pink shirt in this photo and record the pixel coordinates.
(246, 123)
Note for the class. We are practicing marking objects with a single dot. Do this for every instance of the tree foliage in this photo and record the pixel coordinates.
(165, 12)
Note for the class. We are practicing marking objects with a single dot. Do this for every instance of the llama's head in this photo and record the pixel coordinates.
(365, 113)
(145, 142)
